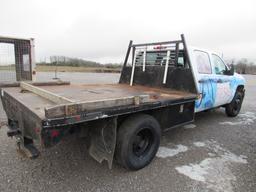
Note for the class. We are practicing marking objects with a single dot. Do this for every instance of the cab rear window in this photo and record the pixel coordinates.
(152, 58)
(159, 58)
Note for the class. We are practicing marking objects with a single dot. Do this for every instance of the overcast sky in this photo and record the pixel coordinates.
(100, 30)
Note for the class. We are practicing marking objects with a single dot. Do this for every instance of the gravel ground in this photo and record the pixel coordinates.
(216, 153)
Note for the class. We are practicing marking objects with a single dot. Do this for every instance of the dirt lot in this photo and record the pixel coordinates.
(216, 153)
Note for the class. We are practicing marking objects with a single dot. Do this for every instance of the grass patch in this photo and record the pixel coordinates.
(47, 68)
(7, 68)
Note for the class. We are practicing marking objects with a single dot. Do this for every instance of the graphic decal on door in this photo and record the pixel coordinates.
(216, 91)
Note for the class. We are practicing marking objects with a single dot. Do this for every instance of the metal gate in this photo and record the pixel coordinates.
(17, 61)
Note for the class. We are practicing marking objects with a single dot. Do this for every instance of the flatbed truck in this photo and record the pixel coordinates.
(158, 90)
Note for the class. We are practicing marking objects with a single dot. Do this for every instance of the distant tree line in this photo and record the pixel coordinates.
(76, 62)
(243, 66)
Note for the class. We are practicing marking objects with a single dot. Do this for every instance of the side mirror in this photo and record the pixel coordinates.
(231, 71)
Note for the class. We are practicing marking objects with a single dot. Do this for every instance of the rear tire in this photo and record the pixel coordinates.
(138, 140)
(233, 109)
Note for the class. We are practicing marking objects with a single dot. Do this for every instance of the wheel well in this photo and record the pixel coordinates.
(167, 116)
(240, 88)
(122, 118)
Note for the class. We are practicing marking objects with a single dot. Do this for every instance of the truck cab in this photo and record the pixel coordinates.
(216, 82)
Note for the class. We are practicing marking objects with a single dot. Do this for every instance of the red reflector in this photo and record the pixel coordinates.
(78, 118)
(37, 130)
(55, 133)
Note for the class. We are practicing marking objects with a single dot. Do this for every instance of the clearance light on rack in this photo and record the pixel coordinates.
(160, 47)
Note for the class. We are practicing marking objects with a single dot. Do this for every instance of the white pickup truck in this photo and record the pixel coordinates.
(217, 83)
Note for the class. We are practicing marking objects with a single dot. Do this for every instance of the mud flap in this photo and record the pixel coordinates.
(103, 141)
(29, 150)
(24, 145)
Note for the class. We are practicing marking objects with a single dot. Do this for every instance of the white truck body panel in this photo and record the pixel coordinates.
(215, 88)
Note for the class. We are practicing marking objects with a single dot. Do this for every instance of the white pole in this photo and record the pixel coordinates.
(133, 68)
(144, 59)
(166, 67)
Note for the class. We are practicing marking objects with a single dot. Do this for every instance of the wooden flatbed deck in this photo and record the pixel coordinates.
(78, 93)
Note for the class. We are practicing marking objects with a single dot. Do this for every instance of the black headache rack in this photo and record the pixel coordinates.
(161, 64)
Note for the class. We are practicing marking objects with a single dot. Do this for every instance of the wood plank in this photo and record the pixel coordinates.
(76, 108)
(50, 83)
(39, 83)
(45, 94)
